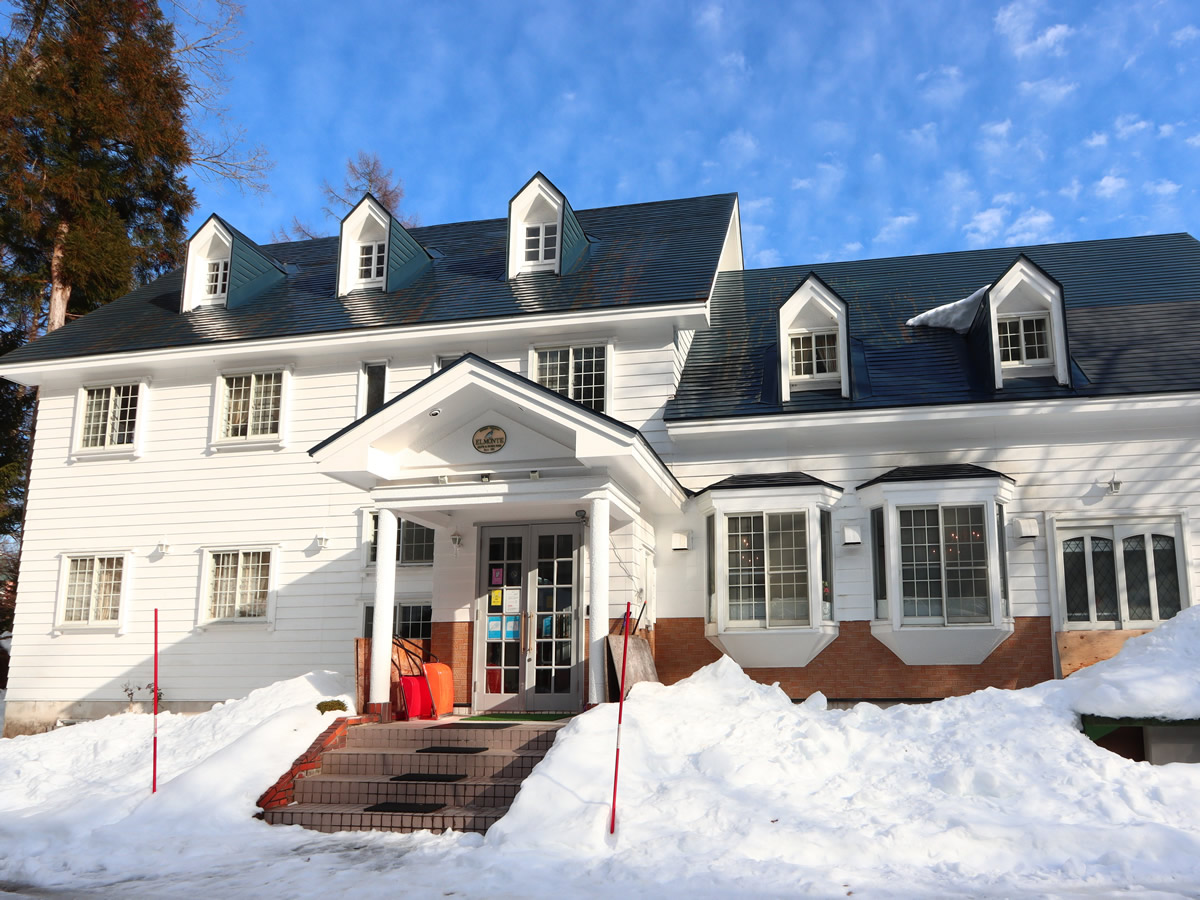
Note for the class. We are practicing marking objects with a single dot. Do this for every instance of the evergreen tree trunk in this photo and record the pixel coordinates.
(60, 290)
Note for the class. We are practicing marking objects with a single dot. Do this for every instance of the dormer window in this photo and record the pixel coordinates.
(813, 341)
(372, 260)
(815, 354)
(217, 285)
(541, 242)
(1024, 340)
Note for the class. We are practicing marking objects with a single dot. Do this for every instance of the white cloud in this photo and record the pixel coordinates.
(852, 247)
(1096, 139)
(1110, 185)
(757, 205)
(767, 258)
(1194, 140)
(1166, 130)
(984, 226)
(943, 86)
(1016, 22)
(1005, 199)
(1127, 126)
(1072, 190)
(1048, 90)
(739, 147)
(824, 183)
(924, 137)
(1185, 34)
(892, 227)
(734, 61)
(1031, 227)
(997, 146)
(996, 129)
(801, 184)
(1161, 188)
(710, 17)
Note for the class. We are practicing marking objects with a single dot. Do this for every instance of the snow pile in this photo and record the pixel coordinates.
(957, 315)
(730, 781)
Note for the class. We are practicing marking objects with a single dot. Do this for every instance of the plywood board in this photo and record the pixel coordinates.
(639, 666)
(1080, 649)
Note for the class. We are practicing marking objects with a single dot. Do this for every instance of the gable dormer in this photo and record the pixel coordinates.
(225, 268)
(543, 233)
(1028, 330)
(813, 340)
(376, 251)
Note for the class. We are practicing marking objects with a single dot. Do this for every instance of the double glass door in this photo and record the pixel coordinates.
(528, 654)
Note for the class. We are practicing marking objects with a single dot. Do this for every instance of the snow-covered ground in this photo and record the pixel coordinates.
(727, 790)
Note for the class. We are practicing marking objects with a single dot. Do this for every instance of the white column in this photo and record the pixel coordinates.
(598, 598)
(385, 601)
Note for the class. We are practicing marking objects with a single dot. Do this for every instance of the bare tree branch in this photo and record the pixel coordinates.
(297, 231)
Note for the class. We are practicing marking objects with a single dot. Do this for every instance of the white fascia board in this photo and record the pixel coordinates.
(731, 252)
(917, 415)
(30, 374)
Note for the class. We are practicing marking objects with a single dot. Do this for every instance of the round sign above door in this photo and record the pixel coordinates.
(489, 439)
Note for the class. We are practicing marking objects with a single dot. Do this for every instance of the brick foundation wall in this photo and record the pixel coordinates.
(283, 791)
(856, 666)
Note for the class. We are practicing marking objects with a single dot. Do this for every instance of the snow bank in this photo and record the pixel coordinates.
(957, 315)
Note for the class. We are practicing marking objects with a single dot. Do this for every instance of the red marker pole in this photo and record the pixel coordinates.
(612, 824)
(154, 754)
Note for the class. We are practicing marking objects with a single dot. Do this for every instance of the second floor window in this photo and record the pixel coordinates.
(110, 416)
(372, 258)
(541, 242)
(252, 405)
(1024, 340)
(575, 372)
(93, 590)
(217, 284)
(815, 354)
(238, 584)
(414, 543)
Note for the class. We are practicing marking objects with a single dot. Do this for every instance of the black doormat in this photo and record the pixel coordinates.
(491, 725)
(428, 776)
(405, 807)
(451, 749)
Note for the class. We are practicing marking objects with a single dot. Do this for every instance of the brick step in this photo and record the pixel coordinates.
(368, 790)
(375, 761)
(399, 735)
(330, 817)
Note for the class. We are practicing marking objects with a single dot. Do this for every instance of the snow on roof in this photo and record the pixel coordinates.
(957, 315)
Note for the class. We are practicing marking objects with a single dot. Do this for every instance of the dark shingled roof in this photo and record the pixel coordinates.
(934, 473)
(769, 480)
(641, 254)
(1131, 307)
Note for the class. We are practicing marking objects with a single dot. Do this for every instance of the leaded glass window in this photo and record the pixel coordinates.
(253, 405)
(110, 416)
(1120, 576)
(239, 581)
(575, 372)
(93, 589)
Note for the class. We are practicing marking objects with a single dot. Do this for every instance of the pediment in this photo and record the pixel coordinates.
(527, 443)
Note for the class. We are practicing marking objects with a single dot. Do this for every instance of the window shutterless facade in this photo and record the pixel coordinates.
(814, 354)
(239, 584)
(1024, 340)
(541, 242)
(110, 417)
(414, 543)
(93, 590)
(412, 620)
(252, 406)
(373, 387)
(576, 372)
(1121, 575)
(372, 263)
(216, 284)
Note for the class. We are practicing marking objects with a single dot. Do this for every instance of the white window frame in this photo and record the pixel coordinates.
(536, 232)
(1040, 362)
(204, 619)
(1063, 526)
(1025, 291)
(132, 450)
(813, 308)
(378, 255)
(211, 244)
(369, 523)
(537, 204)
(117, 625)
(367, 608)
(812, 335)
(445, 360)
(219, 442)
(367, 224)
(360, 406)
(219, 268)
(571, 347)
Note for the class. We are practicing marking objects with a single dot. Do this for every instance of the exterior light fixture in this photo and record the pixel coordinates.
(485, 478)
(534, 474)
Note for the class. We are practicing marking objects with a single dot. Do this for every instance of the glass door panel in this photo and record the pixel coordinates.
(503, 576)
(555, 646)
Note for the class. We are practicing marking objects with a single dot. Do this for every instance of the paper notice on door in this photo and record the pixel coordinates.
(512, 601)
(495, 599)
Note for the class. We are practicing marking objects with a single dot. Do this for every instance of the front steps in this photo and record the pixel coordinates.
(447, 774)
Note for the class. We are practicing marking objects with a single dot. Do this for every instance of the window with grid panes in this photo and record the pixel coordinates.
(944, 564)
(110, 416)
(238, 584)
(414, 542)
(252, 405)
(575, 372)
(372, 260)
(217, 283)
(93, 590)
(1121, 576)
(410, 620)
(814, 354)
(767, 570)
(541, 242)
(1024, 340)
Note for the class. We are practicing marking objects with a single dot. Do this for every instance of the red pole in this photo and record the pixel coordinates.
(154, 756)
(612, 825)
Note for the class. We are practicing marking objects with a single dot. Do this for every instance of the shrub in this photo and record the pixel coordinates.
(329, 705)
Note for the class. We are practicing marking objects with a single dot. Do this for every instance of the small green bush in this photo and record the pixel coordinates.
(329, 705)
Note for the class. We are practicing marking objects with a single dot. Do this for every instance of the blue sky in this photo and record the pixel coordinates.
(850, 130)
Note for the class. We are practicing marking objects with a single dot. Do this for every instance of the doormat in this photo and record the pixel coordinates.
(428, 776)
(405, 807)
(480, 725)
(451, 749)
(520, 717)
